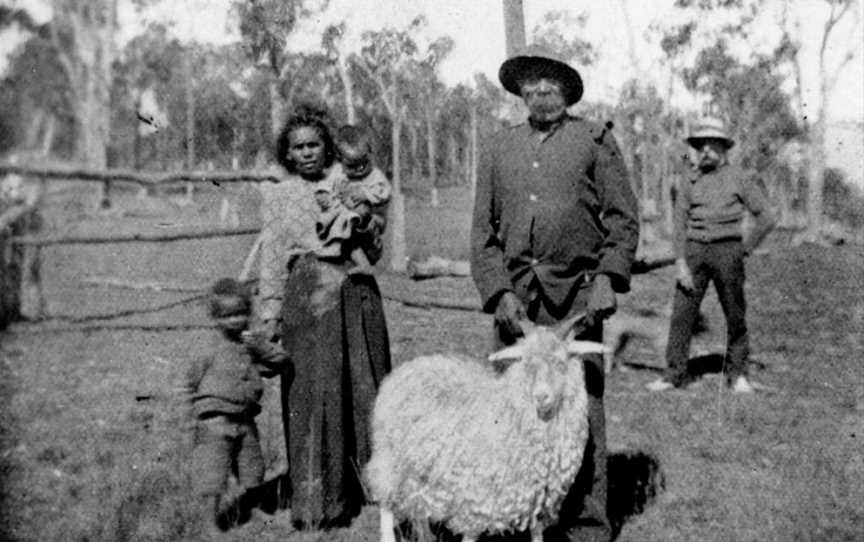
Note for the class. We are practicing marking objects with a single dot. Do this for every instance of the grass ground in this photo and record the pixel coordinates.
(92, 445)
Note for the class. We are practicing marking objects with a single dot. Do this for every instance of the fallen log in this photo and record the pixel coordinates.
(435, 266)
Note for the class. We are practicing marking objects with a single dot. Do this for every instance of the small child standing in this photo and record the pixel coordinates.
(347, 201)
(224, 388)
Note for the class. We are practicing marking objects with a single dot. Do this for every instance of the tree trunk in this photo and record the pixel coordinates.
(816, 177)
(514, 26)
(466, 156)
(191, 159)
(190, 111)
(88, 65)
(396, 221)
(475, 153)
(415, 162)
(31, 135)
(277, 107)
(348, 86)
(48, 134)
(454, 163)
(431, 154)
(137, 159)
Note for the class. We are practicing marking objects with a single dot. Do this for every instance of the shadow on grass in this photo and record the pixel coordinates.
(635, 480)
(714, 363)
(269, 497)
(699, 366)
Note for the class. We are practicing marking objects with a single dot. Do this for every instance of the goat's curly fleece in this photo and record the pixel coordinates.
(455, 443)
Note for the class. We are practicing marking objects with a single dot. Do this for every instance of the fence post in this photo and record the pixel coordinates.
(31, 297)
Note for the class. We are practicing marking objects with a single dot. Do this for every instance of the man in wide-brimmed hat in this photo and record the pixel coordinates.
(554, 234)
(710, 246)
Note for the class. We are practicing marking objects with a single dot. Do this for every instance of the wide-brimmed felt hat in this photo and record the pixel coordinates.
(537, 61)
(709, 128)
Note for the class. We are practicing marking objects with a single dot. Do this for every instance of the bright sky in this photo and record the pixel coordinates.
(477, 29)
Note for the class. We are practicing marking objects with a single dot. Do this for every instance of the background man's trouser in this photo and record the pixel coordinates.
(721, 262)
(583, 513)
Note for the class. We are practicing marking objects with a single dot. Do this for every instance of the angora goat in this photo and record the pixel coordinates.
(482, 451)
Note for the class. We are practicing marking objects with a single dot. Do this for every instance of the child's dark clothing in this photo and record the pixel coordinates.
(225, 391)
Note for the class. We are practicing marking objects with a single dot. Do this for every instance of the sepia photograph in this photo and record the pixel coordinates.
(431, 270)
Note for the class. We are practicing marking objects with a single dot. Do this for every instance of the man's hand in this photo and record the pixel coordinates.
(510, 313)
(683, 275)
(601, 300)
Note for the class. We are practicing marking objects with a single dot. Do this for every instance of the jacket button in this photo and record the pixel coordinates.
(535, 164)
(532, 197)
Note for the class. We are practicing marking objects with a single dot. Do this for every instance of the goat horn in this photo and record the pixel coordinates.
(510, 352)
(580, 348)
(566, 330)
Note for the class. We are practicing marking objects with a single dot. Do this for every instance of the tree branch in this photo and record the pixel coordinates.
(63, 55)
(833, 18)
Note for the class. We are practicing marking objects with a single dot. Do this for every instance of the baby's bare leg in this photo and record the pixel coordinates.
(361, 262)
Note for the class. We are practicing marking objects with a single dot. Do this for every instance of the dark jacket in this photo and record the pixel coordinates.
(227, 380)
(710, 206)
(554, 208)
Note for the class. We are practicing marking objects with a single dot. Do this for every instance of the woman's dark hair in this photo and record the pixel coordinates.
(305, 116)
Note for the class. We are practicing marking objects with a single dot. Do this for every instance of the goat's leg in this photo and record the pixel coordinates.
(469, 539)
(388, 526)
(537, 532)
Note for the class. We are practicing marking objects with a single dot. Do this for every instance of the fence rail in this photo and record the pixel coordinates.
(21, 242)
(144, 178)
(46, 240)
(25, 242)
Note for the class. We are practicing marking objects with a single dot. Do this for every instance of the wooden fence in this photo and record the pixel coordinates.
(21, 236)
(21, 239)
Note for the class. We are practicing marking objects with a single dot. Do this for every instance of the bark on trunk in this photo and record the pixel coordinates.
(454, 167)
(88, 65)
(276, 107)
(475, 154)
(396, 226)
(348, 86)
(431, 148)
(816, 181)
(415, 162)
(191, 159)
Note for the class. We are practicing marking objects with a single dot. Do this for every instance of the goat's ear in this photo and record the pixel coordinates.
(510, 353)
(580, 348)
(566, 330)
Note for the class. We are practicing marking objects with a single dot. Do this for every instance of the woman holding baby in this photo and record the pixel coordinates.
(320, 232)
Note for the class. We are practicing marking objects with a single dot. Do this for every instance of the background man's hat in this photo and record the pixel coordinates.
(538, 61)
(709, 128)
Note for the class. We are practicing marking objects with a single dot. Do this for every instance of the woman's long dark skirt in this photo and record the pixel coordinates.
(336, 335)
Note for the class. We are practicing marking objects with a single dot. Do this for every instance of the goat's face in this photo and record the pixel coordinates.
(545, 365)
(542, 361)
